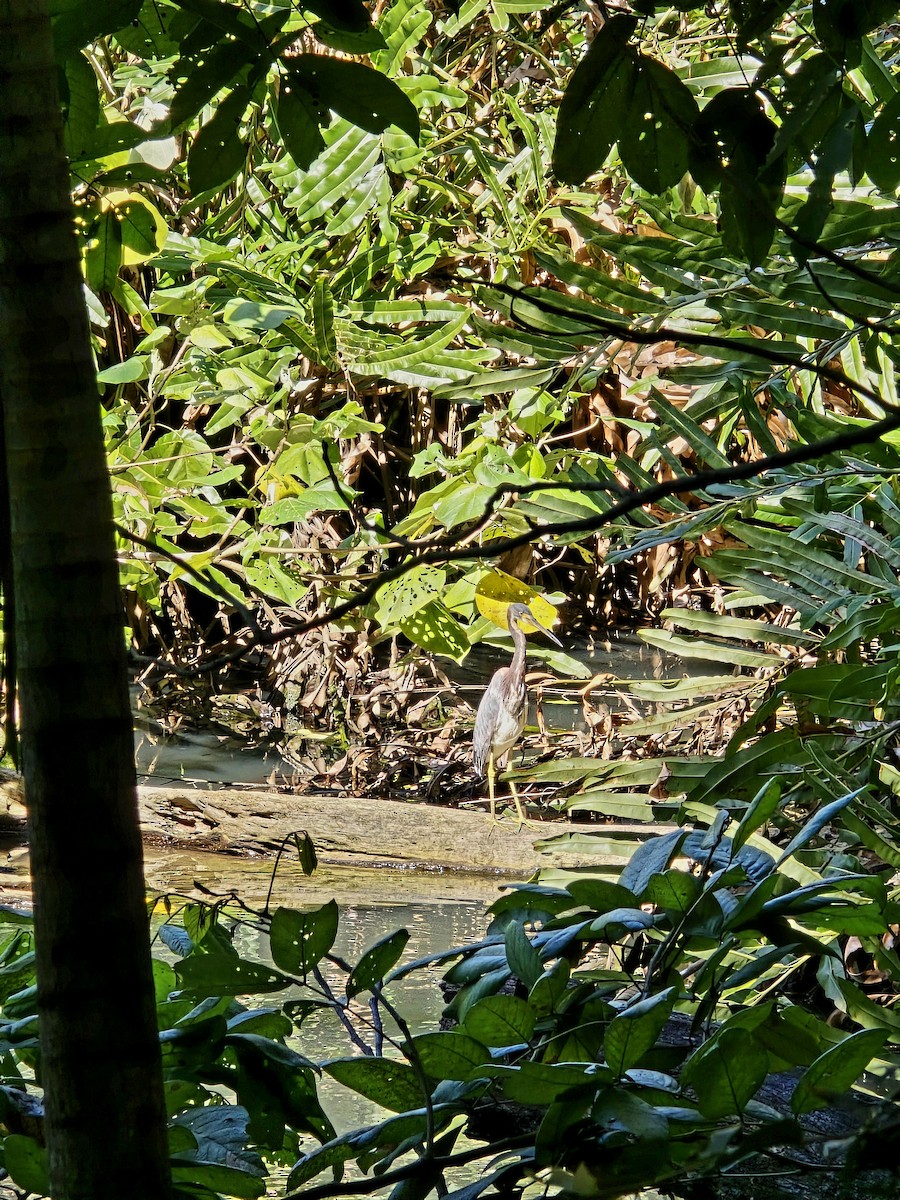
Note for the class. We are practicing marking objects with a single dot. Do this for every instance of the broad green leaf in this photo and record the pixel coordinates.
(436, 630)
(80, 105)
(252, 314)
(130, 371)
(218, 153)
(883, 148)
(298, 120)
(500, 1021)
(635, 1029)
(760, 809)
(182, 458)
(142, 229)
(595, 105)
(619, 1111)
(391, 1084)
(451, 1055)
(651, 857)
(371, 969)
(220, 975)
(216, 1179)
(349, 15)
(524, 960)
(357, 93)
(401, 597)
(833, 1073)
(103, 252)
(726, 1072)
(299, 940)
(26, 1161)
(467, 502)
(655, 138)
(673, 891)
(150, 34)
(542, 1083)
(76, 25)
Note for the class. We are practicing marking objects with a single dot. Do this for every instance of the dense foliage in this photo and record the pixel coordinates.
(611, 299)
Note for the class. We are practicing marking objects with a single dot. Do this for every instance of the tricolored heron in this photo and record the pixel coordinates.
(504, 706)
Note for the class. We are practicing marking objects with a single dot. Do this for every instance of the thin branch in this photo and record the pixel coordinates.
(365, 1187)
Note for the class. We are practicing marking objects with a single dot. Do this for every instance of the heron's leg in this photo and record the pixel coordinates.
(523, 820)
(490, 783)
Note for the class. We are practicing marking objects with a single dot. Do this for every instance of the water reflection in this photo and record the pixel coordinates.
(211, 757)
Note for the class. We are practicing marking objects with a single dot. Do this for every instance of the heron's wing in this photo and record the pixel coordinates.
(500, 719)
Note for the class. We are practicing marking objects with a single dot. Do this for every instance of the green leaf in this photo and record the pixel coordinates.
(759, 810)
(726, 1072)
(402, 597)
(391, 1084)
(215, 1179)
(148, 35)
(883, 148)
(634, 1031)
(183, 458)
(436, 630)
(655, 139)
(595, 106)
(26, 1162)
(323, 320)
(357, 93)
(500, 1021)
(649, 859)
(524, 960)
(143, 230)
(103, 254)
(298, 120)
(222, 975)
(466, 502)
(198, 85)
(673, 891)
(349, 15)
(252, 314)
(218, 153)
(376, 962)
(689, 647)
(76, 24)
(130, 371)
(815, 824)
(299, 940)
(833, 1073)
(451, 1055)
(80, 105)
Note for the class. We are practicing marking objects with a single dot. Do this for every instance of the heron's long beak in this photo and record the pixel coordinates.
(543, 628)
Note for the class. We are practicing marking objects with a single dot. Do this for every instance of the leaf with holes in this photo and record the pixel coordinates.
(300, 940)
(402, 597)
(371, 969)
(391, 1084)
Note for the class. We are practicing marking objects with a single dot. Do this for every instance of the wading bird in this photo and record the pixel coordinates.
(504, 706)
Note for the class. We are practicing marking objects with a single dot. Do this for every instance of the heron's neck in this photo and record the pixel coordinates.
(517, 666)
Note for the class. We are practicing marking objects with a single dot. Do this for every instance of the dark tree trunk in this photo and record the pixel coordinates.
(100, 1058)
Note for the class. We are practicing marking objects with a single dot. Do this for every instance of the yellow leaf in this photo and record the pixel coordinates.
(496, 591)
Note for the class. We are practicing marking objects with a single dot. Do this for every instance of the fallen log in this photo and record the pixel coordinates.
(364, 832)
(348, 830)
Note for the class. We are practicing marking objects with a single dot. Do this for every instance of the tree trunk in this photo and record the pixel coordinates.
(100, 1058)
